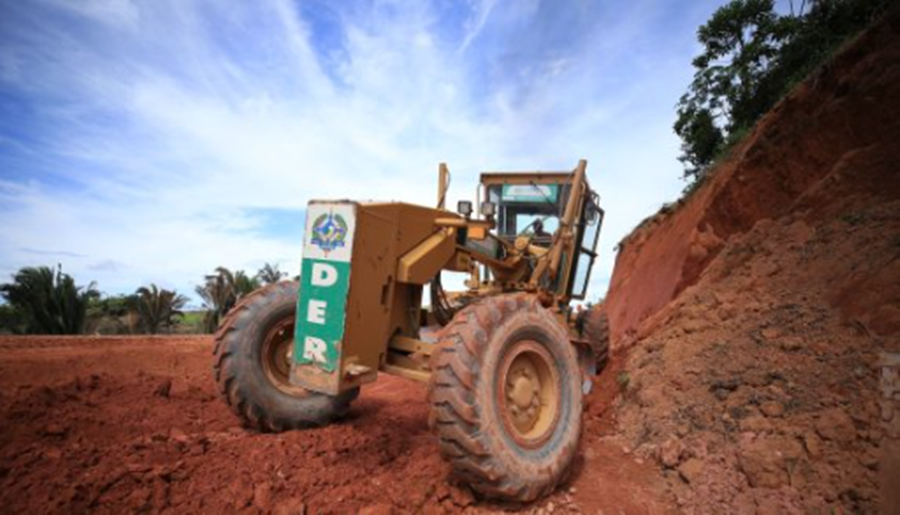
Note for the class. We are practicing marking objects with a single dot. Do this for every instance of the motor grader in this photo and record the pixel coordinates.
(506, 359)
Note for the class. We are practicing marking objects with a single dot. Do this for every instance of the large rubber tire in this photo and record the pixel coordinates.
(469, 411)
(596, 332)
(261, 398)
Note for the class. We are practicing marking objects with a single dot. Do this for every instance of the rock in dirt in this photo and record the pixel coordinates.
(262, 496)
(179, 436)
(52, 453)
(691, 470)
(290, 507)
(766, 460)
(813, 444)
(163, 389)
(377, 509)
(670, 453)
(834, 424)
(772, 409)
(55, 430)
(461, 496)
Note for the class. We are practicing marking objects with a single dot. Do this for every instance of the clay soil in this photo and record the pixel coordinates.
(113, 425)
(761, 316)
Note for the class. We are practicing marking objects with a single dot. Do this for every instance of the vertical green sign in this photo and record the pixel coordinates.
(324, 284)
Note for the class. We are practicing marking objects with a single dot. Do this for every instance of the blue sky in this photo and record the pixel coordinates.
(151, 141)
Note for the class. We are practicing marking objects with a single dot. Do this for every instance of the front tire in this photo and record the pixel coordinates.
(252, 365)
(506, 398)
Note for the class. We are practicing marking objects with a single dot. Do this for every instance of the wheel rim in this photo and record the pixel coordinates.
(529, 393)
(276, 353)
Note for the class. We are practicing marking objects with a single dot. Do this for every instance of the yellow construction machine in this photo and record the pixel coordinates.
(507, 360)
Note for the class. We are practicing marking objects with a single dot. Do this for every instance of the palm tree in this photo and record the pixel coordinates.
(220, 293)
(270, 274)
(48, 302)
(218, 297)
(157, 308)
(244, 284)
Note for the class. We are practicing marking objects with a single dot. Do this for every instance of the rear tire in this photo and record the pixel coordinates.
(596, 332)
(252, 364)
(506, 399)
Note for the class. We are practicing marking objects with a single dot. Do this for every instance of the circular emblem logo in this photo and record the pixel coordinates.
(329, 232)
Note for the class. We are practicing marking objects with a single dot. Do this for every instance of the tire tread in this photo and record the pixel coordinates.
(455, 416)
(230, 353)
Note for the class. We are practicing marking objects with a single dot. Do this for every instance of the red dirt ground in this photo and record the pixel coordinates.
(109, 425)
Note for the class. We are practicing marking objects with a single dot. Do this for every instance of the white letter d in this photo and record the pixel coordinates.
(323, 274)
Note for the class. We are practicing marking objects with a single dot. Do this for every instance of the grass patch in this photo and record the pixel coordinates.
(191, 322)
(623, 380)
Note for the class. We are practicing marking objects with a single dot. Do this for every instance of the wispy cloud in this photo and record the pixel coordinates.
(51, 253)
(170, 137)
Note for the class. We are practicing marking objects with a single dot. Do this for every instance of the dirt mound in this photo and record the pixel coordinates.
(763, 314)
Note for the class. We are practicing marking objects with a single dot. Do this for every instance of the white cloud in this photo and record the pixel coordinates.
(161, 125)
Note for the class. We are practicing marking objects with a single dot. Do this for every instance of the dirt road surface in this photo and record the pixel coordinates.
(133, 424)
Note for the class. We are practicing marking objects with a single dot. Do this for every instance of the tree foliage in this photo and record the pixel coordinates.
(158, 308)
(44, 301)
(11, 320)
(111, 314)
(111, 305)
(221, 291)
(270, 274)
(751, 58)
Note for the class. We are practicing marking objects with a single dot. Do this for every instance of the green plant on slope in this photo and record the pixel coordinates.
(158, 308)
(751, 58)
(739, 41)
(48, 302)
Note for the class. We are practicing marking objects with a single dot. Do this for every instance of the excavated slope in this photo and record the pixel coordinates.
(843, 124)
(759, 320)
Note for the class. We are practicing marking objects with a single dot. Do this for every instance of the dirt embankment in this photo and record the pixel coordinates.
(829, 150)
(760, 320)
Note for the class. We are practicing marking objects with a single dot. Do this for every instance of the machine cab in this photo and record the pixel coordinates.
(532, 205)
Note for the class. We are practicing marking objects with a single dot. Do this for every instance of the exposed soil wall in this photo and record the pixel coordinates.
(759, 322)
(829, 147)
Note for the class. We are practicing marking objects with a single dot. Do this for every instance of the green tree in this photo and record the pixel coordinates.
(739, 41)
(48, 302)
(108, 314)
(270, 274)
(111, 305)
(751, 58)
(11, 320)
(244, 284)
(220, 293)
(158, 308)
